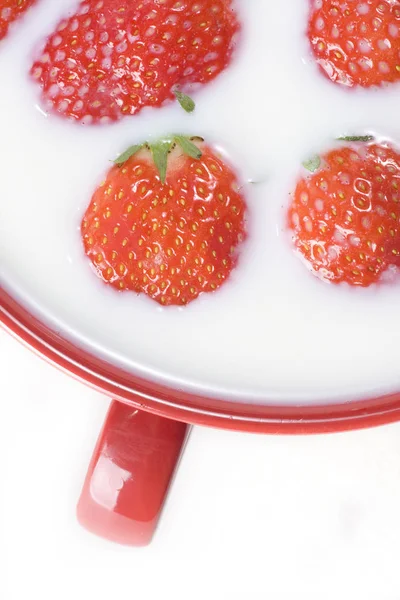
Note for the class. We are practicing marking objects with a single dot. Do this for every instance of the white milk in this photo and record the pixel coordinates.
(273, 332)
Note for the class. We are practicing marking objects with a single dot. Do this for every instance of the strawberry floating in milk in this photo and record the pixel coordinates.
(356, 43)
(345, 217)
(111, 58)
(166, 221)
(10, 11)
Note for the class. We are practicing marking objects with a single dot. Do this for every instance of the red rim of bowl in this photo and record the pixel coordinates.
(179, 405)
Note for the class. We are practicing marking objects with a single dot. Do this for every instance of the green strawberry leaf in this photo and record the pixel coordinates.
(356, 138)
(160, 151)
(122, 158)
(312, 164)
(188, 147)
(185, 101)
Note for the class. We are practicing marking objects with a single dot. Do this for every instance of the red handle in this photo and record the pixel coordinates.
(129, 475)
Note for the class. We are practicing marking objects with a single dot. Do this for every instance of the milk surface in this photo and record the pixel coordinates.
(273, 333)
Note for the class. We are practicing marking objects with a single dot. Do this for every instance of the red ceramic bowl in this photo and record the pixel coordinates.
(146, 429)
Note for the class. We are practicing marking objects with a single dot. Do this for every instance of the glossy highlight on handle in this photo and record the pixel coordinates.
(129, 474)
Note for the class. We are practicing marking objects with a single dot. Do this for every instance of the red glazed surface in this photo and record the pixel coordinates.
(129, 475)
(190, 408)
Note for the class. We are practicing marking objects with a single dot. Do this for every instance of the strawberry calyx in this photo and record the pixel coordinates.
(185, 101)
(313, 163)
(161, 149)
(356, 138)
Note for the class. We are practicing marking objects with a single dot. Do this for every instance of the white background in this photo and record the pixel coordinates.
(249, 517)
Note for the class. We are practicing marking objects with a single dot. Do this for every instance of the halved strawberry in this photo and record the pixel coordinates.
(345, 217)
(356, 43)
(167, 221)
(10, 11)
(114, 57)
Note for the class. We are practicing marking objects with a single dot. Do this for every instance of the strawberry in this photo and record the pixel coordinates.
(356, 43)
(114, 57)
(10, 11)
(345, 217)
(170, 230)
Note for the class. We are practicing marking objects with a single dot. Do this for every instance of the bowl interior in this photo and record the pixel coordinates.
(179, 405)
